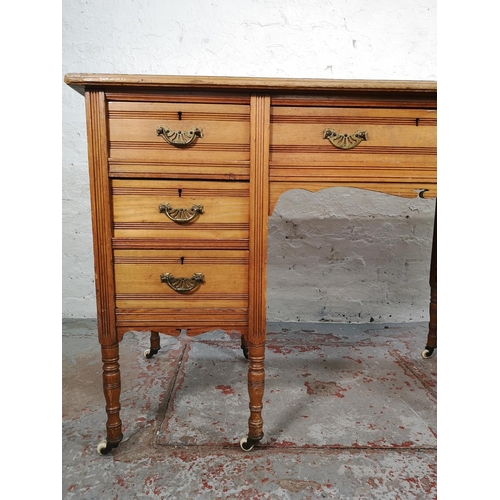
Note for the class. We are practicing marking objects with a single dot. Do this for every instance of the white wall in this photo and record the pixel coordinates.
(338, 255)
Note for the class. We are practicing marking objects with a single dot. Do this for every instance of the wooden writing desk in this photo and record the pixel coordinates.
(184, 172)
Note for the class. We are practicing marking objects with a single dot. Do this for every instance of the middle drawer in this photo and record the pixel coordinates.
(201, 210)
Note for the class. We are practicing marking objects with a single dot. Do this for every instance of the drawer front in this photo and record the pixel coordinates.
(193, 210)
(185, 139)
(181, 279)
(353, 144)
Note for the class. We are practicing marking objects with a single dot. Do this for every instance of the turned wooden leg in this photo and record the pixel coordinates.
(260, 112)
(154, 343)
(432, 336)
(256, 376)
(112, 387)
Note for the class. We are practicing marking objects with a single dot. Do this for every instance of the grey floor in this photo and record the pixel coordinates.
(349, 413)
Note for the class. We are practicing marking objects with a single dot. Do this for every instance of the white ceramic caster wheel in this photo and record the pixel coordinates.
(101, 446)
(244, 444)
(146, 352)
(427, 353)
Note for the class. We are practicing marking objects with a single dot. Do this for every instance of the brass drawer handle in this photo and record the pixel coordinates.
(181, 215)
(183, 285)
(179, 139)
(345, 141)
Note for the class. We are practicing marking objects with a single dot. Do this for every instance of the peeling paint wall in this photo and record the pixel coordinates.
(338, 255)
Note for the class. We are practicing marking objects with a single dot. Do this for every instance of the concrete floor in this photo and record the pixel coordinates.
(349, 413)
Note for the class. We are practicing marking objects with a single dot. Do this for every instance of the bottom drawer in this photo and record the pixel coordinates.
(181, 279)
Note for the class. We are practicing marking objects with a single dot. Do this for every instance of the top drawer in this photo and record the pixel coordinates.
(352, 143)
(183, 139)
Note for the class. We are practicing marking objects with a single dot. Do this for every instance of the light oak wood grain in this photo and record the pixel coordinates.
(136, 209)
(82, 81)
(261, 137)
(138, 284)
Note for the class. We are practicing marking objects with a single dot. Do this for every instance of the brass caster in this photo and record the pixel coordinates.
(103, 448)
(246, 445)
(149, 353)
(427, 352)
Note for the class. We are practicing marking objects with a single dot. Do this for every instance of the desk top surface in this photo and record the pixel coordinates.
(82, 81)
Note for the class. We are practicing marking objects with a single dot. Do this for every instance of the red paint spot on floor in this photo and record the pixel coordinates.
(206, 485)
(278, 349)
(376, 444)
(285, 444)
(226, 389)
(405, 444)
(352, 359)
(411, 480)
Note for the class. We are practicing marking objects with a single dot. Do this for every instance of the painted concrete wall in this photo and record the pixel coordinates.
(339, 255)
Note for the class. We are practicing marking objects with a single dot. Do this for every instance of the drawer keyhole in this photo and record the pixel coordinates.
(182, 261)
(180, 193)
(179, 114)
